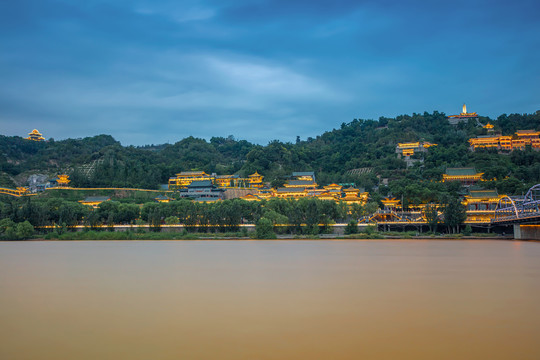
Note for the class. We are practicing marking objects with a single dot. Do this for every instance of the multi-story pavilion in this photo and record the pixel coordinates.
(481, 205)
(35, 136)
(63, 180)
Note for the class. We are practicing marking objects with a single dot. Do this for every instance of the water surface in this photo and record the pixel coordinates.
(270, 300)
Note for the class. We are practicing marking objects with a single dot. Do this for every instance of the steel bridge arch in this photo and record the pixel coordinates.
(533, 194)
(504, 200)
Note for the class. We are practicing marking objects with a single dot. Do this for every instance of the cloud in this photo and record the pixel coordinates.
(150, 71)
(178, 11)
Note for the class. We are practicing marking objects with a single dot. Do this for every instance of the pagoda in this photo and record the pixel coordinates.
(63, 180)
(256, 180)
(35, 136)
(464, 116)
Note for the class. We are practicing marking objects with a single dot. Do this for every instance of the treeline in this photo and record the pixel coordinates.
(20, 217)
(304, 215)
(359, 144)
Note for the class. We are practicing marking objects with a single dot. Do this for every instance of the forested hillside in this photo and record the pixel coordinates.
(362, 151)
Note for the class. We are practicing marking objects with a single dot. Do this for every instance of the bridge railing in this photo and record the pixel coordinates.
(519, 207)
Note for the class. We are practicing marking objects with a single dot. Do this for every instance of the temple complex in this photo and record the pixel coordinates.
(467, 175)
(35, 136)
(518, 141)
(302, 184)
(183, 179)
(464, 116)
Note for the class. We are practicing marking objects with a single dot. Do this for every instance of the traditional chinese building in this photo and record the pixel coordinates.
(489, 127)
(63, 180)
(464, 116)
(256, 180)
(227, 180)
(408, 149)
(199, 189)
(290, 192)
(353, 196)
(163, 199)
(35, 136)
(519, 141)
(304, 175)
(481, 205)
(467, 175)
(183, 179)
(94, 201)
(391, 204)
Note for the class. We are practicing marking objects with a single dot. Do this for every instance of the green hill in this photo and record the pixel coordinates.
(362, 151)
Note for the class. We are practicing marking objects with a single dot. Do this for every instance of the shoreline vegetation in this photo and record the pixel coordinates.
(130, 235)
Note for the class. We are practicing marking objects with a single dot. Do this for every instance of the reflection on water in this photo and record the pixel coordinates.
(270, 300)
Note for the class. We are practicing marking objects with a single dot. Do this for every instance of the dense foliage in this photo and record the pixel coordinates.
(360, 144)
(360, 152)
(307, 215)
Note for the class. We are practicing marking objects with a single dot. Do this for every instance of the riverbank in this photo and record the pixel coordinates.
(96, 236)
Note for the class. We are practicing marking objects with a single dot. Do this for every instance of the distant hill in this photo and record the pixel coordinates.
(339, 155)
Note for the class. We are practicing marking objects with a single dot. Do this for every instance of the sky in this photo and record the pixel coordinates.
(157, 71)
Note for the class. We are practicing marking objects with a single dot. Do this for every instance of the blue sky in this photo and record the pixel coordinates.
(151, 71)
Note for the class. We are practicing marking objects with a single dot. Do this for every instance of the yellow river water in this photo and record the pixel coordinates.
(402, 299)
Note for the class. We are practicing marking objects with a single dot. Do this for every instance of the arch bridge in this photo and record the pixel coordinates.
(523, 212)
(519, 209)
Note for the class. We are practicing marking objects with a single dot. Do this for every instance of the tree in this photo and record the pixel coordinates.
(431, 213)
(455, 214)
(172, 220)
(265, 229)
(351, 228)
(24, 230)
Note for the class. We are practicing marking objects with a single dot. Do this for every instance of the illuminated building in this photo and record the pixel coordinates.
(63, 180)
(481, 205)
(227, 180)
(305, 184)
(183, 179)
(35, 136)
(485, 142)
(94, 201)
(353, 196)
(256, 180)
(163, 199)
(467, 175)
(464, 116)
(304, 175)
(202, 190)
(391, 204)
(290, 192)
(251, 197)
(408, 149)
(530, 137)
(519, 141)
